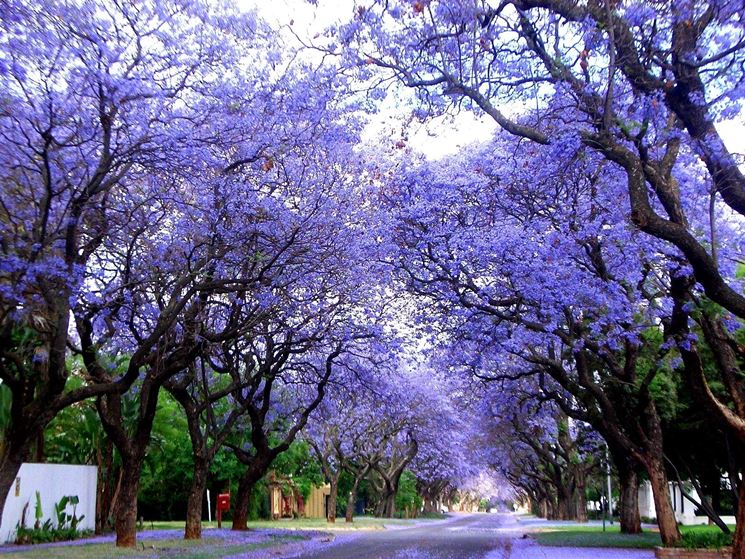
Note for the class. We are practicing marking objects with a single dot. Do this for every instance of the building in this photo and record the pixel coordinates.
(286, 501)
(685, 510)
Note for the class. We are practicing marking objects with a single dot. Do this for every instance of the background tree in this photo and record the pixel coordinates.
(97, 99)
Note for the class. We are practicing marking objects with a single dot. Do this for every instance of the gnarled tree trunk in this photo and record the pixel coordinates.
(126, 506)
(738, 543)
(193, 530)
(10, 463)
(628, 509)
(580, 499)
(669, 532)
(243, 498)
(352, 500)
(331, 510)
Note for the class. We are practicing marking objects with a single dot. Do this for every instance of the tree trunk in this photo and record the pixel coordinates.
(380, 508)
(108, 477)
(543, 508)
(10, 463)
(629, 500)
(193, 530)
(331, 509)
(564, 498)
(429, 506)
(126, 507)
(389, 507)
(669, 532)
(738, 544)
(352, 501)
(243, 502)
(580, 499)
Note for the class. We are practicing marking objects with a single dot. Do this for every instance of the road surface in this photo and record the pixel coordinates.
(476, 536)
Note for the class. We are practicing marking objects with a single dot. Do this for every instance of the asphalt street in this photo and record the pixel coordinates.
(476, 536)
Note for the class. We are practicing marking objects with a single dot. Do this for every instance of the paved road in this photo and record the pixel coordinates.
(477, 536)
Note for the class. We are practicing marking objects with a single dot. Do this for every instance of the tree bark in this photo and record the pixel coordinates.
(126, 507)
(10, 463)
(104, 484)
(580, 499)
(193, 530)
(243, 498)
(331, 510)
(352, 500)
(669, 532)
(429, 506)
(630, 519)
(351, 503)
(738, 542)
(564, 503)
(543, 508)
(390, 505)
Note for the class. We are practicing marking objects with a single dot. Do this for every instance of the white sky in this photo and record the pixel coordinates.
(438, 137)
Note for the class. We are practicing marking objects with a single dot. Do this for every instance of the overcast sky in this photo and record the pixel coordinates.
(438, 138)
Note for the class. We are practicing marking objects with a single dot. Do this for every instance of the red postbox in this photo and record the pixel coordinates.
(223, 505)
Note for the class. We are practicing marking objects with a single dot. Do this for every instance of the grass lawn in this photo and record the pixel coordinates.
(360, 523)
(207, 548)
(593, 536)
(576, 535)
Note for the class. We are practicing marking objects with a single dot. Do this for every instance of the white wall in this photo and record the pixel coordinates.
(684, 509)
(646, 502)
(52, 481)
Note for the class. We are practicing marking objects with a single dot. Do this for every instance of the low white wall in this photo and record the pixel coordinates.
(52, 481)
(684, 509)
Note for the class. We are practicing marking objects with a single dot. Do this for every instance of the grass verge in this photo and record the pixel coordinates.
(207, 548)
(577, 535)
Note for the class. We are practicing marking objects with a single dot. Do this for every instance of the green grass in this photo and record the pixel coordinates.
(593, 536)
(577, 535)
(207, 548)
(704, 528)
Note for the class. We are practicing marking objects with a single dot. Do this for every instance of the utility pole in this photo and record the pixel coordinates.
(610, 492)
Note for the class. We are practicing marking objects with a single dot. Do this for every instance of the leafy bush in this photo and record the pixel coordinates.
(711, 540)
(65, 530)
(408, 501)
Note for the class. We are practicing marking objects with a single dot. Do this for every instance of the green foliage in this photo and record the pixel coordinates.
(259, 508)
(38, 512)
(168, 468)
(705, 539)
(407, 497)
(65, 530)
(60, 511)
(346, 481)
(75, 435)
(6, 399)
(299, 463)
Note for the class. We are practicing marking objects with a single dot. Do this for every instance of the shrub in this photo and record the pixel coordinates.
(701, 540)
(65, 530)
